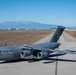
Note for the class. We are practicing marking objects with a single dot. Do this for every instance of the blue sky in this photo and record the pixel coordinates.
(59, 12)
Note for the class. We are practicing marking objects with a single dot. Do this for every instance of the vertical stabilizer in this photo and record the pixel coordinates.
(57, 34)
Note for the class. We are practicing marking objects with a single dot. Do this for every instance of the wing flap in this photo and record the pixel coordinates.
(63, 51)
(59, 51)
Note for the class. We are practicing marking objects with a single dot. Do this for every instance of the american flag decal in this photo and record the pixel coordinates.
(56, 36)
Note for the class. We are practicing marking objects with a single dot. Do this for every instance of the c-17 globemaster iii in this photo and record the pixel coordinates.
(34, 51)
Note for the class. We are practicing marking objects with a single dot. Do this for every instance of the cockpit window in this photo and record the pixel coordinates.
(0, 50)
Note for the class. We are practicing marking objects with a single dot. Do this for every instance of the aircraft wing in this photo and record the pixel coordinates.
(64, 51)
(51, 50)
(58, 51)
(41, 53)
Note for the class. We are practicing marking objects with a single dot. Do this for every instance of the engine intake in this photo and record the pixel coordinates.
(42, 55)
(25, 53)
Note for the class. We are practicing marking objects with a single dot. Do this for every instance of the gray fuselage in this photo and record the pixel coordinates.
(13, 52)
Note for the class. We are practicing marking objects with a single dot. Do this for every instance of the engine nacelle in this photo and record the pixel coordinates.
(25, 53)
(42, 55)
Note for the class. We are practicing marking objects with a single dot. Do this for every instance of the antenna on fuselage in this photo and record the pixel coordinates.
(5, 44)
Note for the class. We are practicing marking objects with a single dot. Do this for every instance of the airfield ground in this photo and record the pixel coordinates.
(72, 33)
(22, 36)
(12, 37)
(66, 63)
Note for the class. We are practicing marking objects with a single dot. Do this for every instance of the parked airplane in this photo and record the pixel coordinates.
(34, 51)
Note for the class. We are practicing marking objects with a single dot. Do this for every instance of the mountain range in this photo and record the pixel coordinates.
(26, 25)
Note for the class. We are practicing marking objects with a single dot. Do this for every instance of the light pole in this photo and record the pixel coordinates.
(56, 65)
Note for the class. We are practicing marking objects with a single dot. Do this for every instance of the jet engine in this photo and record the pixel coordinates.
(42, 55)
(25, 53)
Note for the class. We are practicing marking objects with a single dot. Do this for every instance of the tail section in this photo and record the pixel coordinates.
(57, 34)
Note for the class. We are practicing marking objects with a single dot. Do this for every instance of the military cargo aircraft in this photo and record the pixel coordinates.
(34, 51)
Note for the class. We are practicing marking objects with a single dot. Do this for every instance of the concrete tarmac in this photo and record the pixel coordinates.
(65, 67)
